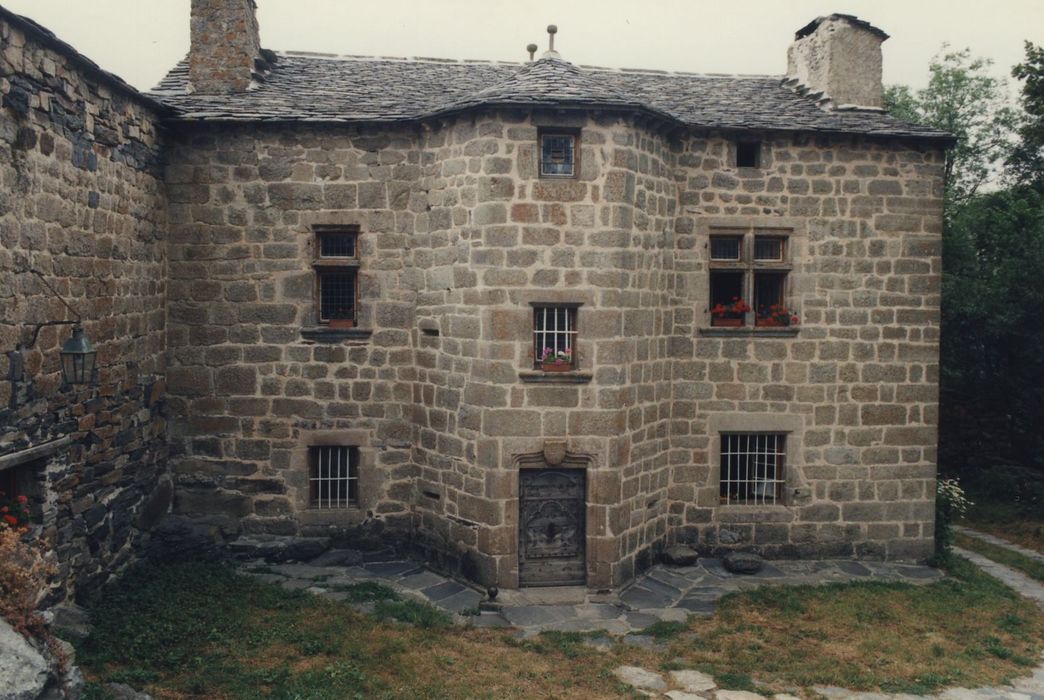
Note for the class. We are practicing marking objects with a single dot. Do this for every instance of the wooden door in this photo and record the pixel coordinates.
(552, 517)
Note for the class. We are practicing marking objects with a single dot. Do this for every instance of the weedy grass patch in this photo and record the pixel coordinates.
(202, 630)
(1001, 555)
(967, 630)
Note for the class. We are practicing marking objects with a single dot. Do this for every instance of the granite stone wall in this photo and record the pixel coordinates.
(81, 202)
(436, 386)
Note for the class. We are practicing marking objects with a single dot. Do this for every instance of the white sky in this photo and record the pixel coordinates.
(140, 40)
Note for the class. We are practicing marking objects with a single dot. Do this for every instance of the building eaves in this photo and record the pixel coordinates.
(361, 90)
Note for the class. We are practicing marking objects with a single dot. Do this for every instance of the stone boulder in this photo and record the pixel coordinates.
(680, 555)
(744, 563)
(70, 622)
(24, 671)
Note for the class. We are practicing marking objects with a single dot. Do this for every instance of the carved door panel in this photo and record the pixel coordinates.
(552, 514)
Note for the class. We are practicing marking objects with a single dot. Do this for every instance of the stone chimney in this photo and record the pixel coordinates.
(837, 59)
(225, 55)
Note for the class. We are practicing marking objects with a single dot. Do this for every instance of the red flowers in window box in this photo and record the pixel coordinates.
(14, 512)
(730, 314)
(561, 361)
(775, 315)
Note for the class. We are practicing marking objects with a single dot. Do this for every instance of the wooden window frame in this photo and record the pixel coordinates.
(325, 266)
(749, 268)
(573, 134)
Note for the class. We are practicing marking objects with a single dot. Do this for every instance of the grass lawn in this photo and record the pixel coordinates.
(1028, 566)
(200, 630)
(1016, 521)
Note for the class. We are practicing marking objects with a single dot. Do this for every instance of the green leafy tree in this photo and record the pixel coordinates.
(964, 99)
(992, 365)
(1027, 159)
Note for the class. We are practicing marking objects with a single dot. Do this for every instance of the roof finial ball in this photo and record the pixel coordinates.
(532, 49)
(551, 53)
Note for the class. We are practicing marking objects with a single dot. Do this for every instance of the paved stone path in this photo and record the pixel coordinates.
(1001, 543)
(663, 593)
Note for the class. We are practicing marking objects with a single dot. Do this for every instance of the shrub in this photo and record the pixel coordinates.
(950, 504)
(24, 582)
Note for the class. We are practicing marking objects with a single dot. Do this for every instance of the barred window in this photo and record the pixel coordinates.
(752, 468)
(334, 476)
(558, 154)
(337, 275)
(554, 337)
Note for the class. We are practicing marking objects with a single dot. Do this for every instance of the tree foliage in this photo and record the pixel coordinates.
(964, 99)
(1027, 159)
(992, 354)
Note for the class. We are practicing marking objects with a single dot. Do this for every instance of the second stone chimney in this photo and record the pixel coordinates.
(225, 55)
(837, 59)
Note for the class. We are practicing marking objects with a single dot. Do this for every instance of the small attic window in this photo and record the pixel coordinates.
(748, 154)
(558, 153)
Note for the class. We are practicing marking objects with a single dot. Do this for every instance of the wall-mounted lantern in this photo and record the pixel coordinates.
(78, 354)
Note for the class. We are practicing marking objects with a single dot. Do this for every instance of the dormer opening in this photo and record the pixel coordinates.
(748, 154)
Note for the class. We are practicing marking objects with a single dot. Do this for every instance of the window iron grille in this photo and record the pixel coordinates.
(336, 294)
(725, 247)
(557, 154)
(752, 468)
(336, 244)
(768, 249)
(334, 477)
(554, 334)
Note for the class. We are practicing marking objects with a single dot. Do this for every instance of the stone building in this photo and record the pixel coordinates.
(324, 288)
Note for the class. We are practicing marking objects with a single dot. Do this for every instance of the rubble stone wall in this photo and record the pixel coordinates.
(81, 202)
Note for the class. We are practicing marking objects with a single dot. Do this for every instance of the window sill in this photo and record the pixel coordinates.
(324, 334)
(749, 332)
(535, 376)
(755, 513)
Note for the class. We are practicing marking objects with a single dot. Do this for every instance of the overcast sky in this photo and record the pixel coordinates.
(140, 40)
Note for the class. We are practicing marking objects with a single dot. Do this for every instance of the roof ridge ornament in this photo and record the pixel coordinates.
(551, 53)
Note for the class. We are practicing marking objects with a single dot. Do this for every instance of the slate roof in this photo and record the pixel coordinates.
(346, 89)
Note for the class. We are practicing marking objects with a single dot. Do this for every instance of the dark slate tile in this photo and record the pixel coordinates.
(458, 602)
(663, 589)
(698, 606)
(392, 568)
(639, 597)
(443, 590)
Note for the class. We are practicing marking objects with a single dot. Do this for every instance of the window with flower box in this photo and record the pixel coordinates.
(748, 279)
(554, 337)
